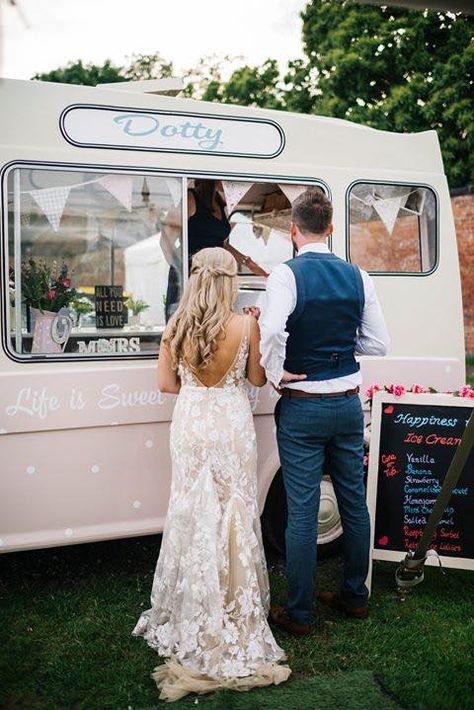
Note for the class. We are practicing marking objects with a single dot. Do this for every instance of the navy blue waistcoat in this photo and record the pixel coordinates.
(322, 329)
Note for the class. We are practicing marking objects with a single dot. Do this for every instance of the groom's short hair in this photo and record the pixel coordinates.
(312, 212)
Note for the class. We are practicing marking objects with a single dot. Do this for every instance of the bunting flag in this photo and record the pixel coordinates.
(175, 189)
(261, 231)
(120, 186)
(52, 201)
(234, 190)
(292, 191)
(388, 209)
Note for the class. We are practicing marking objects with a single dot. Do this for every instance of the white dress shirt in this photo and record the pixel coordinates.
(372, 336)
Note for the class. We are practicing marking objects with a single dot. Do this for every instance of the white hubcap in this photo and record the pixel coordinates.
(329, 520)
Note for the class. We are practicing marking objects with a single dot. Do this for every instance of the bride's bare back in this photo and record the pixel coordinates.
(228, 347)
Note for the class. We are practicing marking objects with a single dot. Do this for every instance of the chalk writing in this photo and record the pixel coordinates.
(417, 442)
(408, 418)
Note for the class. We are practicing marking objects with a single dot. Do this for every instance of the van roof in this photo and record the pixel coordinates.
(31, 111)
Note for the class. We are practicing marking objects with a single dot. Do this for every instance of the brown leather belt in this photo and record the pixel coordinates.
(301, 393)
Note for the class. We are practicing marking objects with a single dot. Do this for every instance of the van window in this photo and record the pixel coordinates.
(260, 229)
(89, 256)
(392, 228)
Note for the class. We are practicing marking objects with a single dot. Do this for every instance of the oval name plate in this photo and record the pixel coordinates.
(133, 129)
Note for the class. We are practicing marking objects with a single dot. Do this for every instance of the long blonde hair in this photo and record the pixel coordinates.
(204, 308)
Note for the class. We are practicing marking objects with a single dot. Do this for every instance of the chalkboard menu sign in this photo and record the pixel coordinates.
(110, 311)
(414, 439)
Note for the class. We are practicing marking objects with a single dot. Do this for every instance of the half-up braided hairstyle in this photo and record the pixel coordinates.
(204, 308)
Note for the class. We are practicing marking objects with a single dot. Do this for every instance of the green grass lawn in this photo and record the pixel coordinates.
(66, 616)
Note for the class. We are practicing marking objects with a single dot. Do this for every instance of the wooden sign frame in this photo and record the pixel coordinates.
(381, 399)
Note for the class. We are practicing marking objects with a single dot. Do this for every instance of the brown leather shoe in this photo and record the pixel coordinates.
(335, 601)
(280, 617)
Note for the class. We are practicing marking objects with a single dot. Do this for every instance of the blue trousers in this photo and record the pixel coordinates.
(308, 430)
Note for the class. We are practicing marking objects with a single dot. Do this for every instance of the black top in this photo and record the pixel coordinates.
(205, 229)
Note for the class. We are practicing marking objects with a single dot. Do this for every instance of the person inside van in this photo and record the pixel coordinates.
(208, 226)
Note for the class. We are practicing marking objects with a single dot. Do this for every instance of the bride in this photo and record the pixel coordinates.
(210, 596)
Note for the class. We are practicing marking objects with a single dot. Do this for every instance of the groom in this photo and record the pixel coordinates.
(320, 311)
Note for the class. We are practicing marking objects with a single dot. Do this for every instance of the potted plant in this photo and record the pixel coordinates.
(136, 306)
(46, 290)
(81, 306)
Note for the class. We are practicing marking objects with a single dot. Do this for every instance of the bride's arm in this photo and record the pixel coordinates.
(168, 380)
(255, 372)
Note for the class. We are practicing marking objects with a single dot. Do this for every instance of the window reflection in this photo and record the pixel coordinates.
(104, 229)
(96, 259)
(392, 228)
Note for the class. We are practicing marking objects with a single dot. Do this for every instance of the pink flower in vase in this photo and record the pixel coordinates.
(397, 390)
(418, 389)
(466, 391)
(51, 293)
(372, 390)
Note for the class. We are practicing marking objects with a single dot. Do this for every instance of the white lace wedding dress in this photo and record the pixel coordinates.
(210, 595)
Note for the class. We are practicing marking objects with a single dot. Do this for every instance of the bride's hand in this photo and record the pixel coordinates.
(252, 311)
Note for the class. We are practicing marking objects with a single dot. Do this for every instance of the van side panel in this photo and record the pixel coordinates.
(84, 451)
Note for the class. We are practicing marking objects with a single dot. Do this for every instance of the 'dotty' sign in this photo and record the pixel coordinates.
(109, 127)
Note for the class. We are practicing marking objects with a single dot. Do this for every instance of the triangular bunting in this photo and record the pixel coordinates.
(234, 190)
(388, 208)
(52, 201)
(120, 186)
(292, 191)
(261, 231)
(175, 188)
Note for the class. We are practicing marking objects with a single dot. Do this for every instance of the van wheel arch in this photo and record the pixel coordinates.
(275, 514)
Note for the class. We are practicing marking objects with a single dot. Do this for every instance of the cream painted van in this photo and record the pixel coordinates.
(92, 179)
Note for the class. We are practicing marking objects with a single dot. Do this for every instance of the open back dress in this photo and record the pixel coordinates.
(210, 596)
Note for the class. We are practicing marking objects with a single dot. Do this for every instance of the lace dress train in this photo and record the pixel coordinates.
(210, 596)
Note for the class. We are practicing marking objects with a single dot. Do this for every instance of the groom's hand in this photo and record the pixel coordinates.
(286, 378)
(290, 377)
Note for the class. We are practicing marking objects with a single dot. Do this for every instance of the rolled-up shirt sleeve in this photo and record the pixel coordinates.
(372, 336)
(279, 303)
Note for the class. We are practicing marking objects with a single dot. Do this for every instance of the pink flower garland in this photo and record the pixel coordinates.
(399, 390)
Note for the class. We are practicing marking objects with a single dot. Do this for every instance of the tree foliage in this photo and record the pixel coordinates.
(393, 69)
(147, 66)
(396, 70)
(140, 67)
(79, 73)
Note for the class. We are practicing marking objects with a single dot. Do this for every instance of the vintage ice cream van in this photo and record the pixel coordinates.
(94, 186)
